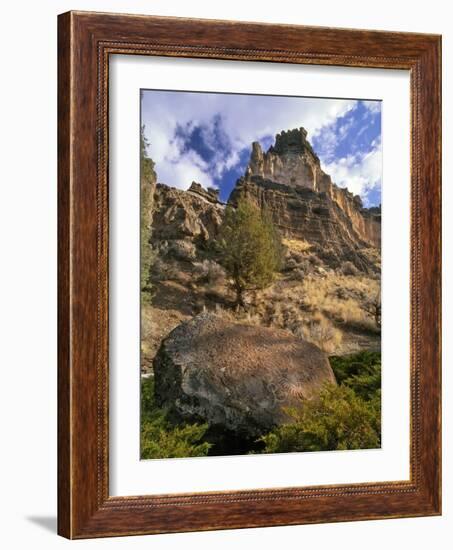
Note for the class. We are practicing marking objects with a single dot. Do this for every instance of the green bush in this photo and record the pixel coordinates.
(347, 416)
(360, 372)
(159, 438)
(147, 184)
(248, 247)
(336, 420)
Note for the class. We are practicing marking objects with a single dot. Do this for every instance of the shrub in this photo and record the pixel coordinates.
(159, 438)
(347, 416)
(372, 307)
(348, 268)
(162, 270)
(361, 372)
(181, 249)
(329, 257)
(299, 256)
(159, 270)
(298, 275)
(315, 260)
(322, 333)
(291, 263)
(208, 271)
(337, 420)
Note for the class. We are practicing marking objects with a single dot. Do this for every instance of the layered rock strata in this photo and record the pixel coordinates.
(289, 183)
(292, 163)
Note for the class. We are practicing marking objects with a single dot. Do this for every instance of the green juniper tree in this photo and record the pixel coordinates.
(347, 416)
(161, 439)
(147, 181)
(249, 248)
(336, 420)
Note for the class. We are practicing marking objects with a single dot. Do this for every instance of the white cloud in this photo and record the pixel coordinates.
(245, 118)
(328, 142)
(329, 137)
(360, 173)
(344, 128)
(181, 174)
(372, 106)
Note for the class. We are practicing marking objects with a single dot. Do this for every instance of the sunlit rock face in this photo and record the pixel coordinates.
(287, 181)
(195, 214)
(305, 203)
(291, 161)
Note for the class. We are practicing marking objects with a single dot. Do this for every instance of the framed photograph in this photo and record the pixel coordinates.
(249, 275)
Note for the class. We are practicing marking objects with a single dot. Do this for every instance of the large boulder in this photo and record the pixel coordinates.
(235, 376)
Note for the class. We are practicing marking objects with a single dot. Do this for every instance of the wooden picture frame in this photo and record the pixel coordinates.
(85, 42)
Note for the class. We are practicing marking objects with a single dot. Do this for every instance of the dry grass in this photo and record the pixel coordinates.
(315, 303)
(320, 331)
(340, 298)
(244, 316)
(373, 255)
(297, 245)
(209, 273)
(318, 308)
(315, 328)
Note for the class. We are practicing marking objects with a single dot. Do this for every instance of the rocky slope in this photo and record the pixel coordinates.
(194, 214)
(332, 243)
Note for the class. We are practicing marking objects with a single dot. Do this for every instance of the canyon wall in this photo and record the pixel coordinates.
(289, 183)
(292, 162)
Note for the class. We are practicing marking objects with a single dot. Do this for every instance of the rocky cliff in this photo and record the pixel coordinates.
(331, 265)
(289, 182)
(292, 163)
(194, 214)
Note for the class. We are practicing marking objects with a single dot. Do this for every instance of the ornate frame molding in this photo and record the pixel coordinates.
(86, 40)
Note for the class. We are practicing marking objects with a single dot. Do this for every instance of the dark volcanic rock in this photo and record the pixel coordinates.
(237, 377)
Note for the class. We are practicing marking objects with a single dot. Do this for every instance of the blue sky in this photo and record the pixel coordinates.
(207, 137)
